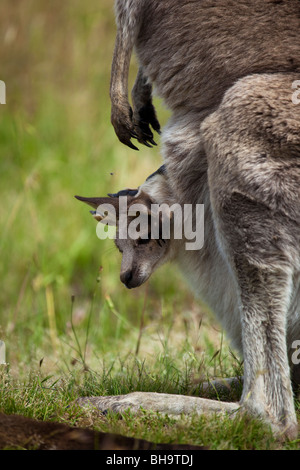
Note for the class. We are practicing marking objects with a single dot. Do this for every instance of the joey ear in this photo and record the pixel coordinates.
(95, 201)
(124, 192)
(107, 208)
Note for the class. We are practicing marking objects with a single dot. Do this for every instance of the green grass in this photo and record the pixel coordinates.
(71, 329)
(48, 398)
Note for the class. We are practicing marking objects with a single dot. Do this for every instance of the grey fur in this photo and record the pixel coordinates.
(225, 69)
(212, 278)
(193, 51)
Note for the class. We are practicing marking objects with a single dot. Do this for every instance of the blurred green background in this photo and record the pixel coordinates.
(56, 141)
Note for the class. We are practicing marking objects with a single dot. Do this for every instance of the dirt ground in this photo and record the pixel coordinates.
(19, 432)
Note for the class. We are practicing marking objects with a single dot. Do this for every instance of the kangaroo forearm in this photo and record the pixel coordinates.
(142, 90)
(120, 71)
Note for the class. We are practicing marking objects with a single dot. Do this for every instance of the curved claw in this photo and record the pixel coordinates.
(133, 135)
(130, 145)
(144, 126)
(129, 126)
(155, 124)
(127, 142)
(145, 143)
(148, 116)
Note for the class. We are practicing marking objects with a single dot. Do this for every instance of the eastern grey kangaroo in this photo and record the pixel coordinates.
(206, 272)
(226, 70)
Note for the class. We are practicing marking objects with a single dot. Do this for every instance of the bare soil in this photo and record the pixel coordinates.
(19, 432)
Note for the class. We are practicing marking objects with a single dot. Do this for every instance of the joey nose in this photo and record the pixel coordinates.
(126, 277)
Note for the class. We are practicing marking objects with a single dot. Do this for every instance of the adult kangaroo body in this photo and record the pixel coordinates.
(193, 51)
(226, 70)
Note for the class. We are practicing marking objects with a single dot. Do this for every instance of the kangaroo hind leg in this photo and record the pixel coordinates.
(254, 176)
